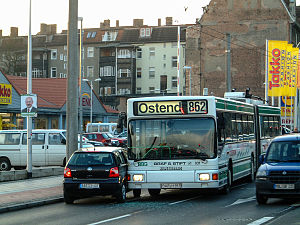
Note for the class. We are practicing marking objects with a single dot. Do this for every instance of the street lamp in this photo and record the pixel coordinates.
(91, 103)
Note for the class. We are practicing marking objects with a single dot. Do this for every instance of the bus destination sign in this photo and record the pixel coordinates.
(171, 107)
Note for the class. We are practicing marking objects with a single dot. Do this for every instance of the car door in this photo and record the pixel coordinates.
(38, 148)
(122, 164)
(55, 149)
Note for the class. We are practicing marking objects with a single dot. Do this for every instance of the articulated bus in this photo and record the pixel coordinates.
(203, 142)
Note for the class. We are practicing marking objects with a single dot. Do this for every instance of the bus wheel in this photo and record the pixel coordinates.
(227, 188)
(4, 164)
(154, 192)
(137, 193)
(251, 177)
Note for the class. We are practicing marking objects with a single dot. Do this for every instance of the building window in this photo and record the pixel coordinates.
(151, 72)
(124, 73)
(65, 58)
(61, 75)
(65, 47)
(124, 53)
(142, 32)
(174, 82)
(90, 71)
(53, 72)
(139, 53)
(123, 91)
(61, 56)
(65, 66)
(174, 44)
(165, 65)
(90, 52)
(37, 73)
(148, 32)
(174, 61)
(151, 90)
(88, 35)
(139, 90)
(139, 72)
(107, 71)
(54, 54)
(164, 57)
(94, 34)
(152, 51)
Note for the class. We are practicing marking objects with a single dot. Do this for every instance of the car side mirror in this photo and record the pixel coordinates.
(261, 159)
(63, 141)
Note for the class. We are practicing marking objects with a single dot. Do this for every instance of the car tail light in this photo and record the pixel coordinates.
(128, 177)
(114, 172)
(67, 172)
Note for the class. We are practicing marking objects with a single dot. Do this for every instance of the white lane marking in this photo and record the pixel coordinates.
(109, 220)
(173, 203)
(260, 221)
(240, 201)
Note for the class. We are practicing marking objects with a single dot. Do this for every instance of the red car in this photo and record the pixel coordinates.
(122, 140)
(103, 137)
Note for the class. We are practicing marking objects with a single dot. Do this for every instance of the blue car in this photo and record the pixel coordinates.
(279, 173)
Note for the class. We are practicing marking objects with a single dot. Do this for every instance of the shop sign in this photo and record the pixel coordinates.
(5, 93)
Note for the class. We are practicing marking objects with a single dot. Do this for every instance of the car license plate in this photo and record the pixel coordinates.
(176, 185)
(284, 186)
(89, 186)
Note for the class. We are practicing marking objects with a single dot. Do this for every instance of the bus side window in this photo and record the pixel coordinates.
(220, 127)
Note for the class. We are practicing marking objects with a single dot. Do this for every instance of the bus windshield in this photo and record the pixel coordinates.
(172, 139)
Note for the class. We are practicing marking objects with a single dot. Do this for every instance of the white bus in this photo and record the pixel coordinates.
(204, 142)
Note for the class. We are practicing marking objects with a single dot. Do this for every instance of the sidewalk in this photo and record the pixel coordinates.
(27, 193)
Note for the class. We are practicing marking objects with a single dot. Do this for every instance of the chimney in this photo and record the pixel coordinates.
(105, 24)
(117, 23)
(138, 22)
(159, 22)
(53, 28)
(169, 21)
(13, 32)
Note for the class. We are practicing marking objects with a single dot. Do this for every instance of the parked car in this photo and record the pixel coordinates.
(122, 141)
(103, 137)
(279, 173)
(86, 141)
(92, 173)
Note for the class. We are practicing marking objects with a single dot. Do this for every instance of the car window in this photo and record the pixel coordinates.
(284, 151)
(118, 158)
(86, 159)
(36, 139)
(55, 139)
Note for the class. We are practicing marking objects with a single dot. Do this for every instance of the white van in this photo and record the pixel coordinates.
(101, 127)
(48, 148)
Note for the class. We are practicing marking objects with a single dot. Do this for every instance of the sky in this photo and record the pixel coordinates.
(15, 13)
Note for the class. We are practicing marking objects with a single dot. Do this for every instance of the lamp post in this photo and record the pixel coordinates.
(80, 81)
(91, 103)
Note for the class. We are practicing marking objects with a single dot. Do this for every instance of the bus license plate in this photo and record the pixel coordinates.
(89, 186)
(284, 186)
(171, 186)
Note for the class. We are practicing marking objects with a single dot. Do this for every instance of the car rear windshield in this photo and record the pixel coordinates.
(87, 159)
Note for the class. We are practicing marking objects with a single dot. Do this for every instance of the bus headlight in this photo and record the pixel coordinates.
(204, 176)
(138, 177)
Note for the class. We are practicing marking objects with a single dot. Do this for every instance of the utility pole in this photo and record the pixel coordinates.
(228, 63)
(72, 80)
(29, 90)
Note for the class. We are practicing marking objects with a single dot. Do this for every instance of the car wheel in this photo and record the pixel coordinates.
(261, 199)
(154, 192)
(121, 195)
(68, 199)
(137, 193)
(5, 164)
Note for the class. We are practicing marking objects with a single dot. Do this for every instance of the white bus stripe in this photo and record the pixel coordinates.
(261, 221)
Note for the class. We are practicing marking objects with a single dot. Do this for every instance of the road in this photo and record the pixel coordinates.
(171, 207)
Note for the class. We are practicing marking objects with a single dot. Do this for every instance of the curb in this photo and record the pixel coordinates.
(27, 205)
